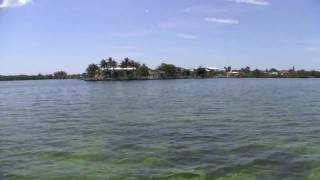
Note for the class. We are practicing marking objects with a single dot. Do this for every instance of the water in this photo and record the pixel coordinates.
(224, 129)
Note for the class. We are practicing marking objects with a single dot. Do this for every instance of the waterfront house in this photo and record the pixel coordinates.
(233, 74)
(212, 69)
(284, 72)
(274, 73)
(125, 69)
(155, 74)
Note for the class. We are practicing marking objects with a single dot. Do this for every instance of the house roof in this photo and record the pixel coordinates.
(126, 69)
(212, 68)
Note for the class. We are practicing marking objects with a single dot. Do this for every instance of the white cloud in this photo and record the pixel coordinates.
(14, 3)
(186, 36)
(253, 2)
(221, 20)
(201, 9)
(310, 43)
(313, 49)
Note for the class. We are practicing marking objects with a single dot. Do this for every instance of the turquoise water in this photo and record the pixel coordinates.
(224, 129)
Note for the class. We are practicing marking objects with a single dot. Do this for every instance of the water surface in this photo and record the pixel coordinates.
(224, 129)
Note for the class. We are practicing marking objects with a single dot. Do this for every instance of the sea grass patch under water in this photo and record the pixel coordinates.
(315, 174)
(207, 129)
(180, 176)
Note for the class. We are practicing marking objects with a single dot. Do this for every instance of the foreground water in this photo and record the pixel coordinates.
(224, 129)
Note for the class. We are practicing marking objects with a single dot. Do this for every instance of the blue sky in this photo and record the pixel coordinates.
(42, 36)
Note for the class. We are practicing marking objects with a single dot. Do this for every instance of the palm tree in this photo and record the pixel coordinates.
(125, 63)
(228, 69)
(114, 64)
(110, 61)
(103, 64)
(92, 70)
(131, 63)
(134, 64)
(143, 71)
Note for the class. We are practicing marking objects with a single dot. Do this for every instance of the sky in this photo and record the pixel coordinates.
(43, 36)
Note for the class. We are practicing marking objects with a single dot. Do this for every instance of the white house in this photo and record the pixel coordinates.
(124, 69)
(212, 69)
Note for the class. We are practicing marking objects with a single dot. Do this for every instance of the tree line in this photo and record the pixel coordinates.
(275, 73)
(110, 69)
(129, 69)
(55, 75)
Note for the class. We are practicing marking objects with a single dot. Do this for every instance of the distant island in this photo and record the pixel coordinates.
(110, 70)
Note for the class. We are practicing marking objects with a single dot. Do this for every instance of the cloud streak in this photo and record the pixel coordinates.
(252, 2)
(313, 49)
(186, 36)
(14, 3)
(221, 20)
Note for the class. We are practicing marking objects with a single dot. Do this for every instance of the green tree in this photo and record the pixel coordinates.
(257, 73)
(315, 74)
(60, 75)
(103, 64)
(92, 70)
(246, 70)
(228, 69)
(201, 72)
(168, 69)
(109, 62)
(134, 64)
(125, 63)
(273, 70)
(186, 72)
(113, 64)
(109, 65)
(143, 71)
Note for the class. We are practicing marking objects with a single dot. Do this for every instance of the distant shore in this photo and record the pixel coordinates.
(11, 78)
(195, 78)
(56, 75)
(110, 70)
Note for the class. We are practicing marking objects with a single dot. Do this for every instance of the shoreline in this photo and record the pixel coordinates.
(110, 80)
(163, 79)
